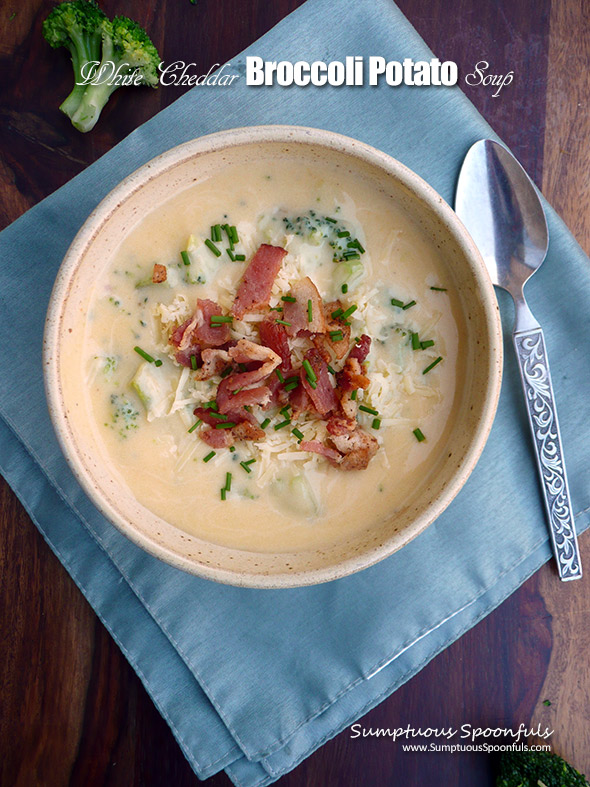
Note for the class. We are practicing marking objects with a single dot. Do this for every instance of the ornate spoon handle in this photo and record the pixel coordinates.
(540, 402)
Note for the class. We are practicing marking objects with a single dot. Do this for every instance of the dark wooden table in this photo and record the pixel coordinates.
(72, 711)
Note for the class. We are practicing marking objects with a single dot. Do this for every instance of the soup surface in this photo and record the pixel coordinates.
(274, 492)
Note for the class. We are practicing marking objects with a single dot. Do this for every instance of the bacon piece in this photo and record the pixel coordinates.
(319, 448)
(248, 431)
(352, 376)
(323, 396)
(256, 284)
(356, 448)
(297, 313)
(217, 438)
(348, 405)
(160, 273)
(204, 413)
(361, 348)
(196, 333)
(337, 425)
(274, 335)
(230, 401)
(300, 401)
(246, 351)
(214, 362)
(324, 342)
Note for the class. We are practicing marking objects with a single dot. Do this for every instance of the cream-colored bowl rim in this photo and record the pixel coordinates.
(228, 139)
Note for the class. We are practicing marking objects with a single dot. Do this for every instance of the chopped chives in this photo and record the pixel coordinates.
(416, 342)
(218, 319)
(337, 313)
(276, 308)
(158, 362)
(426, 344)
(298, 434)
(309, 311)
(369, 410)
(408, 305)
(195, 426)
(288, 298)
(286, 422)
(351, 255)
(216, 233)
(284, 410)
(232, 448)
(343, 234)
(336, 336)
(231, 255)
(418, 435)
(240, 257)
(282, 322)
(194, 363)
(209, 456)
(221, 416)
(248, 408)
(331, 220)
(312, 383)
(144, 355)
(433, 364)
(439, 289)
(292, 386)
(353, 395)
(225, 372)
(356, 244)
(376, 423)
(225, 425)
(332, 371)
(185, 258)
(211, 405)
(237, 391)
(279, 374)
(228, 481)
(223, 493)
(349, 311)
(245, 466)
(397, 302)
(242, 367)
(249, 461)
(309, 371)
(265, 423)
(210, 245)
(344, 289)
(233, 233)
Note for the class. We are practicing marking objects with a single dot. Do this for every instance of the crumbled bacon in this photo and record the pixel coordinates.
(248, 431)
(296, 313)
(352, 376)
(324, 341)
(323, 396)
(316, 447)
(256, 284)
(217, 438)
(274, 335)
(160, 273)
(197, 333)
(361, 348)
(230, 399)
(300, 401)
(356, 448)
(337, 425)
(214, 362)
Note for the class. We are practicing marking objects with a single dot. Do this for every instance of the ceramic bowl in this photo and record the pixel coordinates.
(151, 185)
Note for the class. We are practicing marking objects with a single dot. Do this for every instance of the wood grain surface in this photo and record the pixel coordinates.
(72, 711)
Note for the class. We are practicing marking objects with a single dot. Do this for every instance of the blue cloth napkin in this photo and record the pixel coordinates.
(253, 681)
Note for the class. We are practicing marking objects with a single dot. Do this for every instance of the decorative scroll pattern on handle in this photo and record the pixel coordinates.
(536, 380)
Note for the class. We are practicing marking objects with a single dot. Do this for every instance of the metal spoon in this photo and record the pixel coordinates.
(498, 204)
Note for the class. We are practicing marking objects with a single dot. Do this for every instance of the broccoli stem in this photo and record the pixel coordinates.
(93, 100)
(85, 49)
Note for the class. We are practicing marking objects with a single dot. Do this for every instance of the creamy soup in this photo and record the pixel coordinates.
(358, 247)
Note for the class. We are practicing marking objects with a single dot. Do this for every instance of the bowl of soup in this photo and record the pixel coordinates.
(272, 356)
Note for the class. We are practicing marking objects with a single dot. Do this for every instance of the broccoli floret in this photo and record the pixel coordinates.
(536, 769)
(124, 415)
(126, 51)
(77, 26)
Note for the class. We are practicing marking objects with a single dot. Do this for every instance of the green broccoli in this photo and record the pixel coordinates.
(536, 769)
(127, 51)
(77, 26)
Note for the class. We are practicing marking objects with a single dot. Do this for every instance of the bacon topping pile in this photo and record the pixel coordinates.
(265, 373)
